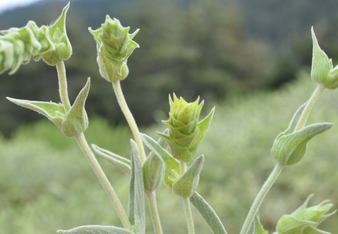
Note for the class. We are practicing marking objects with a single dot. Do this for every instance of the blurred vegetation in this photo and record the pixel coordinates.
(47, 184)
(215, 49)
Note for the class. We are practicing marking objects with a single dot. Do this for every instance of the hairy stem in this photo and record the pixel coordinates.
(311, 102)
(82, 142)
(260, 197)
(129, 117)
(186, 204)
(63, 90)
(154, 212)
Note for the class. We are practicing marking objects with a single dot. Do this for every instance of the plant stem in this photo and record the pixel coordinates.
(154, 212)
(129, 117)
(186, 204)
(82, 142)
(260, 197)
(63, 90)
(311, 102)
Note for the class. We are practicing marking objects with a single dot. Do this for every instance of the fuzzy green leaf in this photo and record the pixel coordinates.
(58, 35)
(171, 165)
(153, 169)
(288, 149)
(295, 119)
(208, 214)
(95, 229)
(119, 161)
(258, 227)
(54, 112)
(136, 192)
(203, 126)
(187, 184)
(76, 120)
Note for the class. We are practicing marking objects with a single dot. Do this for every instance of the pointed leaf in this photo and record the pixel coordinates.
(208, 214)
(295, 120)
(136, 192)
(171, 165)
(289, 149)
(117, 160)
(54, 112)
(76, 120)
(58, 35)
(203, 126)
(258, 228)
(187, 184)
(95, 229)
(153, 169)
(290, 225)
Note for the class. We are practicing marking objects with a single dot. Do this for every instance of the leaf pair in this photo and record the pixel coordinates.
(290, 146)
(72, 123)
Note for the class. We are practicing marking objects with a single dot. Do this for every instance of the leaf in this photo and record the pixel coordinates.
(119, 161)
(153, 169)
(187, 184)
(290, 148)
(54, 112)
(258, 228)
(290, 225)
(95, 229)
(136, 192)
(208, 214)
(76, 120)
(171, 165)
(295, 119)
(203, 126)
(58, 35)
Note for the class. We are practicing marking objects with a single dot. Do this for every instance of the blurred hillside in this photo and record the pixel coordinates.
(214, 49)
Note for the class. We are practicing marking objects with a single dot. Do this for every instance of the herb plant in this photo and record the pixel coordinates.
(172, 158)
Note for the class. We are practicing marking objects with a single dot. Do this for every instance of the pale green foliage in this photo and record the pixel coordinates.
(322, 70)
(18, 45)
(71, 123)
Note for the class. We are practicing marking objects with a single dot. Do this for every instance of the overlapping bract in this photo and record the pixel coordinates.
(18, 45)
(114, 46)
(185, 132)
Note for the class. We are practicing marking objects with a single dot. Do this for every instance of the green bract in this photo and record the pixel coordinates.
(322, 70)
(114, 46)
(185, 132)
(58, 35)
(72, 123)
(305, 220)
(290, 146)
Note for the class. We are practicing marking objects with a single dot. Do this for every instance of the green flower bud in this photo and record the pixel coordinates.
(185, 132)
(305, 220)
(322, 70)
(114, 46)
(58, 35)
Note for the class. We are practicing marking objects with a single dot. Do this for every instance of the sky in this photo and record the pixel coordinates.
(10, 4)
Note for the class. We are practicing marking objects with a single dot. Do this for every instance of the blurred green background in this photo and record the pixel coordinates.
(249, 58)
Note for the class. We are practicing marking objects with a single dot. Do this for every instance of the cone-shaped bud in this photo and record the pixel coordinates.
(305, 220)
(58, 35)
(187, 184)
(114, 46)
(185, 131)
(72, 123)
(290, 146)
(322, 70)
